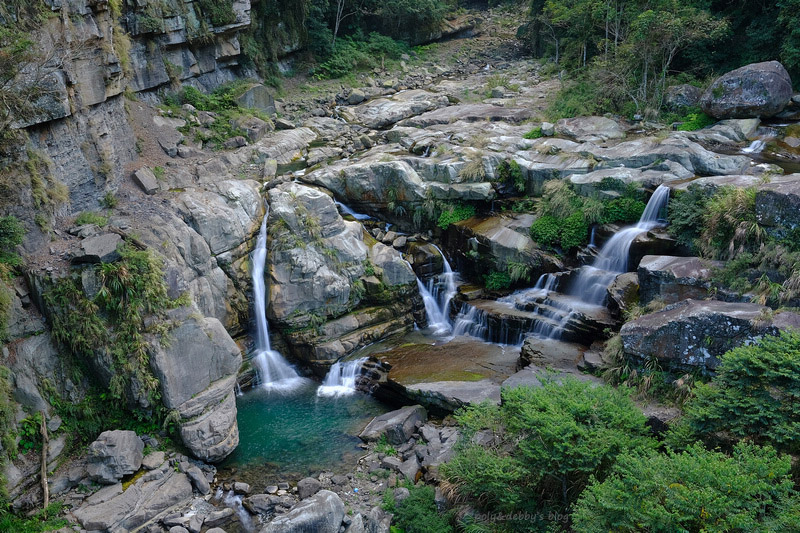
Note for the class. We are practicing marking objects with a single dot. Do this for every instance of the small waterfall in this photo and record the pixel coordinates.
(612, 260)
(273, 369)
(756, 147)
(592, 237)
(341, 378)
(348, 211)
(437, 297)
(234, 501)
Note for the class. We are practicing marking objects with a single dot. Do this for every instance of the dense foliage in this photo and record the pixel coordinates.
(546, 445)
(417, 513)
(693, 490)
(754, 395)
(455, 213)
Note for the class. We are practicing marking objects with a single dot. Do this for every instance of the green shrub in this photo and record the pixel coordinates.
(45, 520)
(546, 231)
(550, 442)
(8, 444)
(218, 12)
(687, 210)
(355, 52)
(695, 119)
(623, 210)
(753, 395)
(729, 223)
(90, 217)
(455, 213)
(11, 235)
(495, 280)
(510, 173)
(574, 231)
(580, 97)
(417, 513)
(534, 133)
(696, 490)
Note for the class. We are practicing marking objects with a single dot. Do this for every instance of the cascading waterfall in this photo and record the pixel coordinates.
(234, 501)
(348, 211)
(612, 259)
(436, 300)
(341, 378)
(273, 370)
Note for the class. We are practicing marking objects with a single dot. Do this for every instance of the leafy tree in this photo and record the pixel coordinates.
(694, 490)
(546, 444)
(755, 395)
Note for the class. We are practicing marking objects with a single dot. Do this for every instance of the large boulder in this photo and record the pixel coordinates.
(673, 279)
(694, 333)
(589, 129)
(756, 90)
(321, 513)
(778, 203)
(682, 96)
(114, 455)
(197, 372)
(398, 425)
(383, 112)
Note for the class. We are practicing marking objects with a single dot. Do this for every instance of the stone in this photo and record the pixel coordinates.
(114, 455)
(234, 142)
(356, 525)
(410, 469)
(778, 204)
(153, 460)
(383, 112)
(498, 92)
(241, 488)
(339, 479)
(471, 113)
(395, 270)
(672, 279)
(146, 180)
(307, 487)
(398, 425)
(589, 129)
(321, 513)
(254, 127)
(680, 97)
(755, 90)
(694, 333)
(99, 249)
(448, 396)
(178, 529)
(356, 96)
(624, 292)
(198, 479)
(283, 124)
(216, 530)
(548, 129)
(216, 518)
(258, 97)
(270, 169)
(262, 503)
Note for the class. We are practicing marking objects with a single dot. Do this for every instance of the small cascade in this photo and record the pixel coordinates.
(341, 378)
(273, 370)
(756, 147)
(612, 260)
(592, 237)
(234, 501)
(437, 295)
(348, 211)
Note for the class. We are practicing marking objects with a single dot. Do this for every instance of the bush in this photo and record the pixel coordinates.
(687, 210)
(495, 280)
(574, 231)
(625, 210)
(696, 490)
(695, 120)
(729, 223)
(534, 133)
(357, 52)
(546, 231)
(753, 395)
(510, 173)
(549, 442)
(417, 513)
(455, 213)
(89, 217)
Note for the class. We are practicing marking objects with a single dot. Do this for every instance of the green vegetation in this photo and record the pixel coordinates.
(218, 12)
(90, 217)
(534, 133)
(496, 280)
(417, 513)
(510, 173)
(549, 443)
(11, 235)
(455, 213)
(113, 323)
(357, 53)
(695, 119)
(693, 490)
(41, 521)
(753, 396)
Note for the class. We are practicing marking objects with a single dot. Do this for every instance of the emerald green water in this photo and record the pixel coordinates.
(287, 435)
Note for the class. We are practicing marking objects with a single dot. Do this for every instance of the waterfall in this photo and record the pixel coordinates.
(612, 259)
(436, 300)
(341, 378)
(348, 211)
(756, 147)
(273, 369)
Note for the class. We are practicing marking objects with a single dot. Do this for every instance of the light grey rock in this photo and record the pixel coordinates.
(198, 479)
(694, 333)
(114, 455)
(307, 487)
(395, 270)
(258, 97)
(383, 112)
(99, 249)
(270, 169)
(410, 469)
(254, 127)
(548, 129)
(357, 525)
(153, 460)
(448, 396)
(400, 494)
(321, 513)
(178, 529)
(672, 279)
(240, 487)
(589, 129)
(356, 96)
(468, 113)
(146, 180)
(398, 425)
(755, 90)
(216, 518)
(283, 124)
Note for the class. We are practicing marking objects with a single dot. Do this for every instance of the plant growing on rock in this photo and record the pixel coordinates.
(730, 226)
(455, 213)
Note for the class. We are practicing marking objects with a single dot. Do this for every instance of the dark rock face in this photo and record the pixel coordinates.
(694, 333)
(778, 203)
(672, 279)
(682, 96)
(756, 90)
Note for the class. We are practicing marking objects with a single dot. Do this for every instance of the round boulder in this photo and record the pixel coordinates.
(756, 90)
